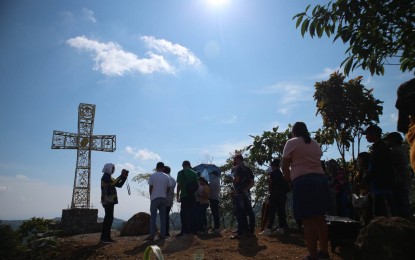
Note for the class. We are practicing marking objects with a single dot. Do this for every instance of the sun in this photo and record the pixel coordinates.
(217, 3)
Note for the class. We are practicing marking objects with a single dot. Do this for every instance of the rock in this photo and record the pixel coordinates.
(137, 225)
(386, 238)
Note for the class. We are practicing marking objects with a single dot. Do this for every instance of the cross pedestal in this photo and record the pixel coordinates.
(84, 142)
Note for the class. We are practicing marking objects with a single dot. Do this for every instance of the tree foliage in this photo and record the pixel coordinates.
(378, 32)
(346, 107)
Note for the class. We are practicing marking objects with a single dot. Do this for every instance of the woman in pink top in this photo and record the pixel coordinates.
(301, 165)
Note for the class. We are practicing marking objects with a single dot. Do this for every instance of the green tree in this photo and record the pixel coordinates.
(378, 32)
(346, 107)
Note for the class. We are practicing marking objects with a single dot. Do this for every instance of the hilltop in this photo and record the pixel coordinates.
(209, 246)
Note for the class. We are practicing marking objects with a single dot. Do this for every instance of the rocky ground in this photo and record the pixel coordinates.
(209, 246)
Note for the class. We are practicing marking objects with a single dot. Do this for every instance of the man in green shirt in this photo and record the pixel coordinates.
(186, 179)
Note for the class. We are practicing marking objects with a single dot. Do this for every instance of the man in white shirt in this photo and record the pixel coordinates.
(159, 186)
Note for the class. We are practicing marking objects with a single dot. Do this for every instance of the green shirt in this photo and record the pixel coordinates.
(184, 177)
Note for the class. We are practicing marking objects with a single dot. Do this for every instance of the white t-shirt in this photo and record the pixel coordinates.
(305, 158)
(170, 196)
(160, 182)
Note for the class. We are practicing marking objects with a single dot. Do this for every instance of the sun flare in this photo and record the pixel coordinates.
(217, 3)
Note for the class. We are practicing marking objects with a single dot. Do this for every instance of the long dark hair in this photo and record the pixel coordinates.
(300, 129)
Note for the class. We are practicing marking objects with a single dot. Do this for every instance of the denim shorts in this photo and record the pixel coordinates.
(311, 195)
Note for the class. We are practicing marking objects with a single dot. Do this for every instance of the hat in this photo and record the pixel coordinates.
(186, 163)
(373, 129)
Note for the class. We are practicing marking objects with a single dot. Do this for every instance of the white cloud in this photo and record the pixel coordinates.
(184, 55)
(142, 154)
(289, 95)
(112, 60)
(89, 15)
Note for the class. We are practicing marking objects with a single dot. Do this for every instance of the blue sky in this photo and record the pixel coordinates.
(173, 80)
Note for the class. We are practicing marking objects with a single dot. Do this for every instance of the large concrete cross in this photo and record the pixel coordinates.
(84, 142)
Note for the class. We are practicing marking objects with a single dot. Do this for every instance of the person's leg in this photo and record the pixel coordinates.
(184, 213)
(240, 214)
(323, 233)
(282, 216)
(162, 211)
(168, 208)
(272, 210)
(214, 207)
(203, 219)
(108, 219)
(153, 216)
(310, 236)
(251, 215)
(192, 215)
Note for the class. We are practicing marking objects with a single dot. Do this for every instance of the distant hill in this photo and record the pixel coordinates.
(15, 224)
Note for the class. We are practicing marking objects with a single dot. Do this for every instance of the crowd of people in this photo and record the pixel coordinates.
(380, 187)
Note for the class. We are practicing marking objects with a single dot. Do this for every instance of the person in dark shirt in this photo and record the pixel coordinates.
(380, 173)
(278, 188)
(109, 198)
(243, 181)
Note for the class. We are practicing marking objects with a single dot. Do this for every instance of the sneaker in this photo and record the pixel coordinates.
(322, 256)
(280, 231)
(266, 232)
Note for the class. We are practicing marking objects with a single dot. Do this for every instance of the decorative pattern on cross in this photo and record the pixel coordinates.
(85, 142)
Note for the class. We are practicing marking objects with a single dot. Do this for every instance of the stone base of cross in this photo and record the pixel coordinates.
(84, 142)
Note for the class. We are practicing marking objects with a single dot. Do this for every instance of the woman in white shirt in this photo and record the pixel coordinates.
(301, 165)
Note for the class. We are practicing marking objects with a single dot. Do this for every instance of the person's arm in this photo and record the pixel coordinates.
(286, 162)
(150, 189)
(119, 182)
(178, 192)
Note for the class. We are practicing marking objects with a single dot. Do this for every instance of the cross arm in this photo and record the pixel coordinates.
(64, 140)
(104, 143)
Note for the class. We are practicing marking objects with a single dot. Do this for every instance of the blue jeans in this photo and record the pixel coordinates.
(243, 207)
(160, 205)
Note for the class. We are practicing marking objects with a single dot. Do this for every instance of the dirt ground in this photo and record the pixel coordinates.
(208, 246)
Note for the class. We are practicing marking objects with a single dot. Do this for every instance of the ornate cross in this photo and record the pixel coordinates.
(84, 142)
